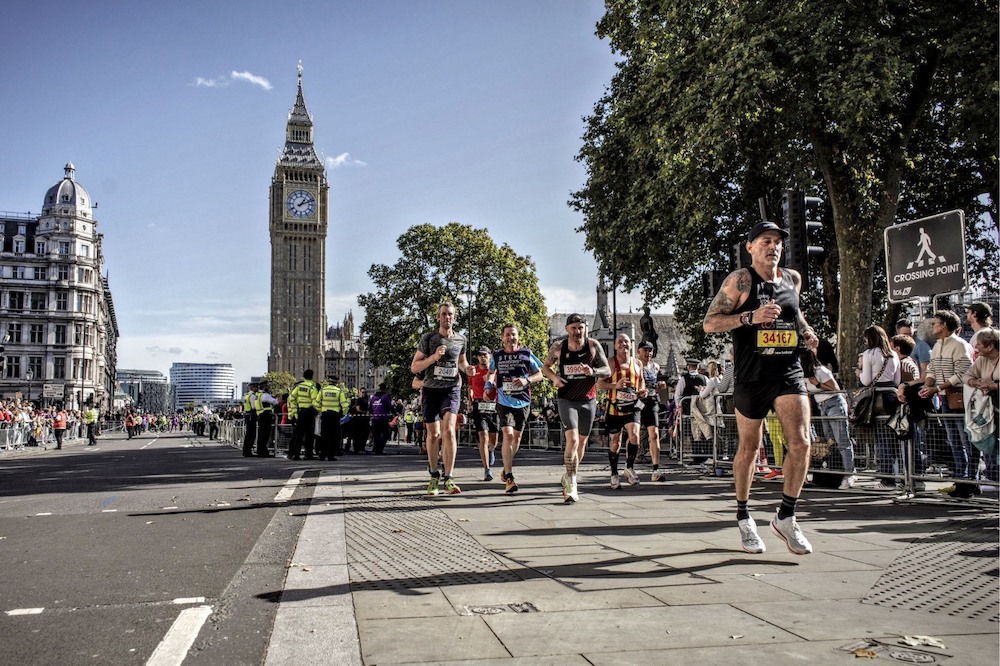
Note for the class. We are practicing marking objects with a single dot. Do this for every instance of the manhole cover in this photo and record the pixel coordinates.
(945, 572)
(396, 543)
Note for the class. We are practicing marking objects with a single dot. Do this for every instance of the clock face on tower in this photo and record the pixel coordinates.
(301, 203)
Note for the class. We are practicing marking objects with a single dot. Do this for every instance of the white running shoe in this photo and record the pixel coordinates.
(631, 478)
(658, 475)
(615, 483)
(570, 494)
(749, 537)
(848, 482)
(788, 530)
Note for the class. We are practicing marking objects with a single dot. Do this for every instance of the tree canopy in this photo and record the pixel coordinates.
(887, 110)
(439, 264)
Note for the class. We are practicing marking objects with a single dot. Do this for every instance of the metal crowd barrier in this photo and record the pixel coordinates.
(939, 450)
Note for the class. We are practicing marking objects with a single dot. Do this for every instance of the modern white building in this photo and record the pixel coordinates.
(197, 384)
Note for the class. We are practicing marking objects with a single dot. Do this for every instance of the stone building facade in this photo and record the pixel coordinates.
(58, 329)
(299, 197)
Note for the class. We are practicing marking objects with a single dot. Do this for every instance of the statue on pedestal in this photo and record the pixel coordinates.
(648, 331)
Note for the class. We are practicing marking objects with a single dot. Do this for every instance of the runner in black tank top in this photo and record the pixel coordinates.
(760, 305)
(581, 362)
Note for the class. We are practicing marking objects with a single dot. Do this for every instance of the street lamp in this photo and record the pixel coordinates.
(29, 375)
(469, 293)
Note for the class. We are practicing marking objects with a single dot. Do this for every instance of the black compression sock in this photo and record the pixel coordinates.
(631, 451)
(613, 459)
(742, 513)
(787, 507)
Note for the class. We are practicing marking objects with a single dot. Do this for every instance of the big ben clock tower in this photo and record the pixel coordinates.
(298, 222)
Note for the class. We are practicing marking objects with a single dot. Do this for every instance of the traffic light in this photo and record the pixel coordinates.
(739, 257)
(711, 282)
(796, 208)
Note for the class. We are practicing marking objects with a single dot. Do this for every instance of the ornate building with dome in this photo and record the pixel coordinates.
(58, 330)
(298, 223)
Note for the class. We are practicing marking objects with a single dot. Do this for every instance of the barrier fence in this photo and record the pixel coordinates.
(938, 451)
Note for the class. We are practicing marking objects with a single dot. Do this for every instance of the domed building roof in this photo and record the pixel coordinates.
(67, 194)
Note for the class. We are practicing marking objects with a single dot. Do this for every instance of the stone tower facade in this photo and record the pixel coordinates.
(298, 224)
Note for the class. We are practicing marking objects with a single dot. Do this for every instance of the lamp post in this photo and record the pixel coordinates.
(469, 293)
(29, 375)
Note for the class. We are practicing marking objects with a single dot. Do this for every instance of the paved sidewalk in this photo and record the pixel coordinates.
(652, 574)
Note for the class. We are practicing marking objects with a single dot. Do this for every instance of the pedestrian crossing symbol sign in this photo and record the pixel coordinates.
(926, 257)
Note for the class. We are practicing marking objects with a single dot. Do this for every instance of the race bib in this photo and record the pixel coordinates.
(626, 397)
(444, 372)
(511, 386)
(778, 338)
(575, 371)
(486, 407)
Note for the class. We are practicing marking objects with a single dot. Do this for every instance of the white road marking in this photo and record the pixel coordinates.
(24, 611)
(44, 514)
(109, 510)
(142, 448)
(288, 489)
(181, 636)
(189, 600)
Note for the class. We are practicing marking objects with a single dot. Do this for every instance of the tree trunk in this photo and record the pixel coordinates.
(855, 307)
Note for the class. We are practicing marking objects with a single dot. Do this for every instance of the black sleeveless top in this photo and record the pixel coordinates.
(579, 387)
(769, 352)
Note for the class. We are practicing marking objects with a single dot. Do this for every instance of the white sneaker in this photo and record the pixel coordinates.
(615, 483)
(631, 478)
(570, 493)
(658, 475)
(788, 530)
(749, 537)
(848, 482)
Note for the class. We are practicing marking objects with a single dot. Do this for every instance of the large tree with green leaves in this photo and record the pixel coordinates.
(887, 110)
(439, 264)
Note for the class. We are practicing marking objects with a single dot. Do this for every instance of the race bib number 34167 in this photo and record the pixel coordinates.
(777, 338)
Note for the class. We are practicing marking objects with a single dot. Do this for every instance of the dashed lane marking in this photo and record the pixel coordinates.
(180, 601)
(180, 637)
(24, 611)
(288, 489)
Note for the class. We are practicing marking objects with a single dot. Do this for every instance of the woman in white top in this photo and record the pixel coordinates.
(823, 387)
(880, 366)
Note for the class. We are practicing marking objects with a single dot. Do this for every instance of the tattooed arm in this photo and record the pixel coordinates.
(733, 293)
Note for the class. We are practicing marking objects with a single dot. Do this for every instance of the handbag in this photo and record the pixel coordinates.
(900, 422)
(861, 401)
(955, 399)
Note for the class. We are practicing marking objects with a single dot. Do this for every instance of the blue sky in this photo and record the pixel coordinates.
(426, 111)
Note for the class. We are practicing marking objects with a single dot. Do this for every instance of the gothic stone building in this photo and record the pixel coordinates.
(298, 222)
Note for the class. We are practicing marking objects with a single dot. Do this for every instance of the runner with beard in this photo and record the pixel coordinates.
(581, 361)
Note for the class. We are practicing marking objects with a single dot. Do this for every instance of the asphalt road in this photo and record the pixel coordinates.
(102, 549)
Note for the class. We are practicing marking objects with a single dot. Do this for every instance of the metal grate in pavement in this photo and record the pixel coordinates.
(951, 571)
(399, 543)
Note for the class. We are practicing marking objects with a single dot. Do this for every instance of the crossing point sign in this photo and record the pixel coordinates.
(926, 257)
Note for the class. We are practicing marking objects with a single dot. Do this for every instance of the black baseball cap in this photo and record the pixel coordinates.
(761, 227)
(646, 345)
(575, 319)
(484, 350)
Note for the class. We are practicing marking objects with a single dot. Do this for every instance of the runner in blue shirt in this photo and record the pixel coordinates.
(517, 368)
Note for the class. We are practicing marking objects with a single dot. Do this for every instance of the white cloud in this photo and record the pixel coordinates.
(251, 78)
(225, 81)
(343, 159)
(199, 82)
